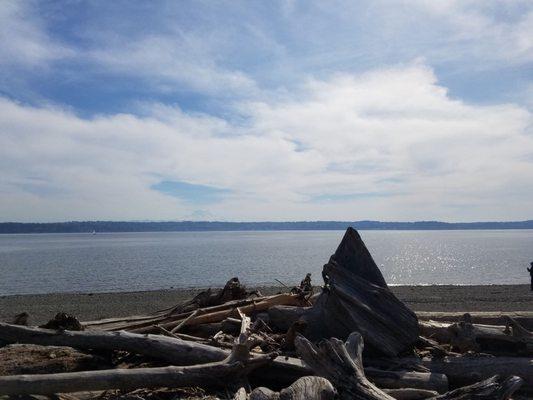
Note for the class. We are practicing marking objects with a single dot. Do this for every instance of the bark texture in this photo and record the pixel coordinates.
(357, 299)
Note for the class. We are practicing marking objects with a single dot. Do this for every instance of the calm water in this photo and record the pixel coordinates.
(48, 263)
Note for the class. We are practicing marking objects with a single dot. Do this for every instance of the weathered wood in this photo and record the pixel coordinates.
(309, 388)
(264, 393)
(410, 393)
(492, 339)
(232, 290)
(184, 322)
(282, 317)
(407, 379)
(169, 349)
(467, 369)
(305, 388)
(285, 370)
(427, 346)
(139, 321)
(16, 359)
(172, 350)
(517, 330)
(233, 368)
(436, 330)
(524, 318)
(240, 394)
(218, 373)
(341, 363)
(356, 298)
(494, 388)
(63, 321)
(207, 316)
(185, 352)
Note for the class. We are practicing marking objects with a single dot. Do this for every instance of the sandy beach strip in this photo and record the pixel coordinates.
(42, 307)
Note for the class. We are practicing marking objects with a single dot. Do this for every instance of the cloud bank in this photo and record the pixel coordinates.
(385, 144)
(283, 110)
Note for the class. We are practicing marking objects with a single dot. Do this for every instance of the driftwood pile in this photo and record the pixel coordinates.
(353, 340)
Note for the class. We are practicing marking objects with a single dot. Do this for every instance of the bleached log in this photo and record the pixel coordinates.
(185, 352)
(146, 322)
(407, 379)
(217, 373)
(234, 367)
(169, 349)
(208, 316)
(513, 340)
(524, 318)
(305, 388)
(435, 330)
(172, 350)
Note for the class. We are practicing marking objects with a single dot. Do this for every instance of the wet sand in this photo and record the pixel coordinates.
(101, 305)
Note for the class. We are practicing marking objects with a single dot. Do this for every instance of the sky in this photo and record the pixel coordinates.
(266, 110)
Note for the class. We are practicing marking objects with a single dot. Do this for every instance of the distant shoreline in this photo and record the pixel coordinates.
(219, 226)
(42, 307)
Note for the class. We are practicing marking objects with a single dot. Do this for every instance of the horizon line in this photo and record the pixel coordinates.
(271, 221)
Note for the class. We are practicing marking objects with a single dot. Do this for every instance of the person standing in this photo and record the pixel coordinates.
(530, 270)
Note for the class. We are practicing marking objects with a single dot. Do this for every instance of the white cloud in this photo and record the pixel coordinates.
(234, 49)
(388, 144)
(23, 37)
(171, 62)
(495, 31)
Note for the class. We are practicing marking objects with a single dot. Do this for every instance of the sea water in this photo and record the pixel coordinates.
(110, 262)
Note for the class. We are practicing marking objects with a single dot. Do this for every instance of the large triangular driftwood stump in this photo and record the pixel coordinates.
(359, 300)
(356, 298)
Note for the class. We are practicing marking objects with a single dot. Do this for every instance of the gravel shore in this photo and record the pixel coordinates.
(90, 306)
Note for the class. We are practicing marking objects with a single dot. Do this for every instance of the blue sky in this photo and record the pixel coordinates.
(275, 110)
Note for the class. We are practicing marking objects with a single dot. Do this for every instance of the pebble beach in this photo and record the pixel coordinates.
(91, 306)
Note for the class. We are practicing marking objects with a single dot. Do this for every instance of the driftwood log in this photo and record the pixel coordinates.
(467, 369)
(218, 373)
(410, 393)
(185, 352)
(494, 388)
(285, 370)
(524, 318)
(407, 379)
(436, 330)
(511, 339)
(16, 359)
(305, 388)
(233, 368)
(232, 290)
(147, 324)
(491, 339)
(174, 351)
(355, 298)
(341, 363)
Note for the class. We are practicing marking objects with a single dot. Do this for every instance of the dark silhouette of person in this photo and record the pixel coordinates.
(530, 270)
